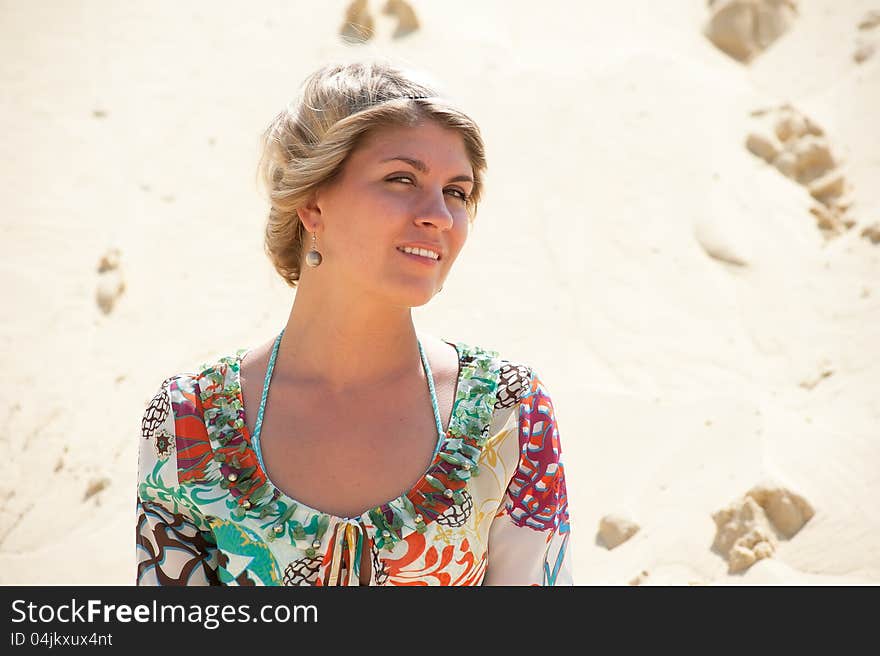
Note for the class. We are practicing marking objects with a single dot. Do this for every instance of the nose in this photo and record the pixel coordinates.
(434, 212)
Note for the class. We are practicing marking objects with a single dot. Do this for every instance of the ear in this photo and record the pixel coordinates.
(310, 214)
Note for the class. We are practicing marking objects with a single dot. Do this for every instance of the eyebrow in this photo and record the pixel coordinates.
(419, 165)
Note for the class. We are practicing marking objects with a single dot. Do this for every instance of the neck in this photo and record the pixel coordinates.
(337, 342)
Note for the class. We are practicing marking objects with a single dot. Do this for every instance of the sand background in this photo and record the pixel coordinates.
(616, 143)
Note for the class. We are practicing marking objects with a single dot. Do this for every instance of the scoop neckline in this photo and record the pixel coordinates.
(383, 507)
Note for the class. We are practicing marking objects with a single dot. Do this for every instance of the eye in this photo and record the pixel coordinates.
(456, 193)
(461, 195)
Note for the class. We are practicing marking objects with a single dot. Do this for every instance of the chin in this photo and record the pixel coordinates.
(411, 295)
(416, 300)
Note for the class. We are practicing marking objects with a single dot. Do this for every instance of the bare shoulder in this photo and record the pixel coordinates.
(254, 362)
(443, 356)
(251, 375)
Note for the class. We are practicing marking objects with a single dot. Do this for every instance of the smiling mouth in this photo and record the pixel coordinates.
(422, 253)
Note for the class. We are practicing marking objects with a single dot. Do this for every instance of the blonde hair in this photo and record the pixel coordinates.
(306, 144)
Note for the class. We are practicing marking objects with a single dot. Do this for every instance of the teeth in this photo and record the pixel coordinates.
(424, 252)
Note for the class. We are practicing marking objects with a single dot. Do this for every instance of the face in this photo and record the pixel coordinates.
(402, 186)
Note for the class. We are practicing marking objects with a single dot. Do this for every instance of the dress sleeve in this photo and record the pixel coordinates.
(529, 536)
(173, 545)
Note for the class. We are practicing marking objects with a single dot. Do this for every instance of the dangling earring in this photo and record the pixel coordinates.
(313, 257)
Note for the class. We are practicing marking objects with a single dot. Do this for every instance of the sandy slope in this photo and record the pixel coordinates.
(616, 136)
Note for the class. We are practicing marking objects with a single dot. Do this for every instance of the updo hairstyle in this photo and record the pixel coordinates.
(306, 144)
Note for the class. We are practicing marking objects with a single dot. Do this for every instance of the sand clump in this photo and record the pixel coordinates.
(863, 52)
(111, 283)
(743, 534)
(748, 529)
(825, 370)
(614, 530)
(870, 20)
(358, 25)
(639, 578)
(745, 28)
(787, 510)
(799, 149)
(407, 21)
(95, 486)
(872, 232)
(867, 41)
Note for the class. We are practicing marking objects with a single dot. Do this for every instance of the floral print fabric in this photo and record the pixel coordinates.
(492, 508)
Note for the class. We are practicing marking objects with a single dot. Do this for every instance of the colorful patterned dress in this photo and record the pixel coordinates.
(491, 509)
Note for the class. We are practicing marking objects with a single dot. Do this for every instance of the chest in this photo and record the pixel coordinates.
(344, 455)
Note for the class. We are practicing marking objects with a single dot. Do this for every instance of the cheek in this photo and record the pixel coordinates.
(379, 211)
(369, 222)
(460, 231)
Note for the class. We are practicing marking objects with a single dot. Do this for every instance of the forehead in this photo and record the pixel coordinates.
(439, 147)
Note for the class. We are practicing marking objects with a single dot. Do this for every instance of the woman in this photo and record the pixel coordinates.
(352, 449)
